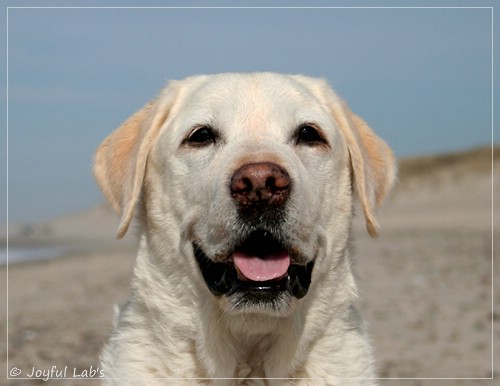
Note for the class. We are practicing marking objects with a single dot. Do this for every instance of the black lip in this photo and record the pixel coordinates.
(222, 279)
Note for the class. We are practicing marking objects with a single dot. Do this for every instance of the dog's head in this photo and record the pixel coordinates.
(250, 176)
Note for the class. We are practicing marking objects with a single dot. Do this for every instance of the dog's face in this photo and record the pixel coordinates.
(254, 174)
(254, 163)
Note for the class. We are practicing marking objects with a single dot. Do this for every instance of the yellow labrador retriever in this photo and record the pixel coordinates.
(242, 189)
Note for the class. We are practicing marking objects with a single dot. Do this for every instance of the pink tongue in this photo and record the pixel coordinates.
(262, 269)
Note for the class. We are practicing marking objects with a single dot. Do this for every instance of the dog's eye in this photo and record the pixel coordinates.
(309, 135)
(202, 136)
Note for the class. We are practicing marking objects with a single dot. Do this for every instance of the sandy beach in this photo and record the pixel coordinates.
(425, 284)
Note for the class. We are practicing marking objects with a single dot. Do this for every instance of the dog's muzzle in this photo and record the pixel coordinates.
(262, 267)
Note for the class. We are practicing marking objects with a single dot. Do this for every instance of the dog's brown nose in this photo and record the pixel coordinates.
(260, 183)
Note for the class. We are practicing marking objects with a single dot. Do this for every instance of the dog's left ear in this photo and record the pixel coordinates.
(372, 161)
(120, 161)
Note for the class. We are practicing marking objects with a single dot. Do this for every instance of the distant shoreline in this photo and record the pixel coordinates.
(32, 254)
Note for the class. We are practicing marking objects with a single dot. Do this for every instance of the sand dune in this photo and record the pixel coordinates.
(425, 284)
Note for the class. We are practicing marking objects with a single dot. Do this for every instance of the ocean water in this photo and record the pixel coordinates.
(23, 254)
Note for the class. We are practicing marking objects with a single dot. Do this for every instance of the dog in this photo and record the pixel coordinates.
(242, 188)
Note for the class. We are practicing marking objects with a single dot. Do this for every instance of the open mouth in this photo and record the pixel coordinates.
(260, 266)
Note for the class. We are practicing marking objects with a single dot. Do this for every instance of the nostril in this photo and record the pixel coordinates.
(280, 180)
(271, 183)
(241, 185)
(246, 185)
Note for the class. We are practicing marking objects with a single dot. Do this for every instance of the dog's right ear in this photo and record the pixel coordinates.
(120, 161)
(372, 161)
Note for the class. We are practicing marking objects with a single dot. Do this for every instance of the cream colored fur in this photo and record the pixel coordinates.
(173, 331)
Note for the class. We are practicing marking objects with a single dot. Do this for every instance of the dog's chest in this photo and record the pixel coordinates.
(245, 370)
(250, 363)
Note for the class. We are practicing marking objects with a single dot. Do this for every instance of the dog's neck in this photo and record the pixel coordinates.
(249, 344)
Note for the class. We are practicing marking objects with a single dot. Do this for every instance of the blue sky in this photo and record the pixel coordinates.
(422, 78)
